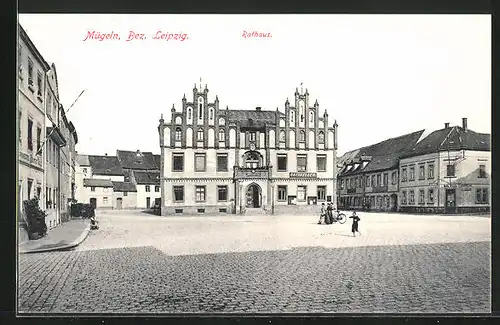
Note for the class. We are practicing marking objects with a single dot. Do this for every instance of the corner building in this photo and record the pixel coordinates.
(216, 161)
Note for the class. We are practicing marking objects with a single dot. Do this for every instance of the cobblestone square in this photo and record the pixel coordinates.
(265, 264)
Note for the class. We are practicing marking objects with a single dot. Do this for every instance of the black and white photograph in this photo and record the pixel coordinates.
(253, 164)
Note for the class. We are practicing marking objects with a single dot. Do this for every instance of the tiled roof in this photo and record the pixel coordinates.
(136, 160)
(105, 165)
(383, 155)
(252, 117)
(124, 187)
(96, 182)
(157, 159)
(146, 178)
(452, 138)
(82, 160)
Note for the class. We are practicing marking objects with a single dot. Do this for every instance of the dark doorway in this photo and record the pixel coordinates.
(253, 196)
(93, 202)
(119, 203)
(451, 203)
(148, 202)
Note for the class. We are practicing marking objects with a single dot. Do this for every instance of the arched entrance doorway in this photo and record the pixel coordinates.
(253, 196)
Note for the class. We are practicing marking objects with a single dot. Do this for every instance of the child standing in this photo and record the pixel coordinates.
(355, 220)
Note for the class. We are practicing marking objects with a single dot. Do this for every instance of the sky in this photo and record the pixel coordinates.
(378, 76)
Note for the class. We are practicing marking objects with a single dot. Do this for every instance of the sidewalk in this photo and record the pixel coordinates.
(67, 235)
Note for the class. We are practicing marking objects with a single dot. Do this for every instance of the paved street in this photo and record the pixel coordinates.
(145, 263)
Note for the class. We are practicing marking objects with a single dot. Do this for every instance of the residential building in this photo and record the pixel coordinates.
(449, 171)
(369, 177)
(47, 138)
(148, 188)
(217, 160)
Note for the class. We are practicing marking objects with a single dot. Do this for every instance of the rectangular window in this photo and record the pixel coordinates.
(412, 173)
(321, 163)
(30, 134)
(282, 193)
(157, 188)
(105, 199)
(222, 210)
(30, 72)
(201, 210)
(178, 162)
(30, 185)
(430, 194)
(412, 197)
(482, 171)
(379, 180)
(200, 162)
(341, 184)
(373, 184)
(404, 175)
(178, 193)
(421, 196)
(39, 84)
(404, 200)
(301, 193)
(20, 119)
(321, 193)
(92, 189)
(222, 162)
(282, 162)
(301, 163)
(386, 179)
(178, 211)
(148, 188)
(421, 172)
(482, 196)
(252, 136)
(450, 170)
(200, 193)
(367, 181)
(125, 193)
(394, 178)
(222, 193)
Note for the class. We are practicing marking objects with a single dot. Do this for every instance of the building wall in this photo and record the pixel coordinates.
(142, 195)
(81, 172)
(129, 201)
(30, 107)
(110, 177)
(100, 194)
(466, 181)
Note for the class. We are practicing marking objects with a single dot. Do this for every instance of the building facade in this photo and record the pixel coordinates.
(44, 131)
(369, 176)
(217, 160)
(449, 171)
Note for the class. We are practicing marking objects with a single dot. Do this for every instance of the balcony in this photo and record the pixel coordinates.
(251, 173)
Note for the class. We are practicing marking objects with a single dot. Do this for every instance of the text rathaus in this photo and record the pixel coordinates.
(246, 161)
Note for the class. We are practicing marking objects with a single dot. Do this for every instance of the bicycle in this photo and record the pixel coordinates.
(339, 217)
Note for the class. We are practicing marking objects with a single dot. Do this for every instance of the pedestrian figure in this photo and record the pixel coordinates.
(322, 213)
(329, 214)
(355, 220)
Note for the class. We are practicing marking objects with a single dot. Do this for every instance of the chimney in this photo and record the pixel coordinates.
(464, 123)
(258, 109)
(446, 125)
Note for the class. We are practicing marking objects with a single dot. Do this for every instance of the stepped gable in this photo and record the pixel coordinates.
(383, 155)
(451, 138)
(124, 187)
(97, 182)
(147, 178)
(136, 160)
(105, 165)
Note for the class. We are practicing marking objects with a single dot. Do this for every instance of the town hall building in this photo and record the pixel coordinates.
(258, 161)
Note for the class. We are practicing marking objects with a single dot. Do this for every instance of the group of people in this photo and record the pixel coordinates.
(327, 216)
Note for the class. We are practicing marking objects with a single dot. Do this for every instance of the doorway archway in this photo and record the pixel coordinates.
(253, 196)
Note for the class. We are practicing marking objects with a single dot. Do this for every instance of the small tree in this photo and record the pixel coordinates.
(35, 219)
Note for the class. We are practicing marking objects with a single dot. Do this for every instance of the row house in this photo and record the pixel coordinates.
(46, 137)
(449, 171)
(369, 177)
(128, 180)
(258, 161)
